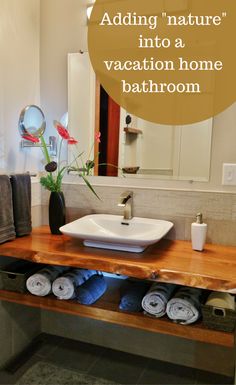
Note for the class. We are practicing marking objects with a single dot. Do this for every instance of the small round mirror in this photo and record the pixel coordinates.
(32, 121)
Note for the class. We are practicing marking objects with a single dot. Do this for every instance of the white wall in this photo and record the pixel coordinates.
(19, 79)
(35, 38)
(63, 31)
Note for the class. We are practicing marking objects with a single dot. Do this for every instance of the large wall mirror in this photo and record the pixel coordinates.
(129, 145)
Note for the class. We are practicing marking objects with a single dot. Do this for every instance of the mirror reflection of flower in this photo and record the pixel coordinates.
(56, 170)
(85, 168)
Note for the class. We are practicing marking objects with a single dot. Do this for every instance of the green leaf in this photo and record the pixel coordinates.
(51, 184)
(90, 186)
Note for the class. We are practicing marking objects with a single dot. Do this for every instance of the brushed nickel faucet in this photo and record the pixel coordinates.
(126, 201)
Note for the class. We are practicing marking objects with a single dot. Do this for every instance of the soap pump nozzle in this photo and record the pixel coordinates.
(199, 218)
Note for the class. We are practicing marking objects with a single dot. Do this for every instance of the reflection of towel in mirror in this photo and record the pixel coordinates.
(155, 301)
(185, 306)
(40, 284)
(64, 287)
(7, 230)
(21, 196)
(91, 290)
(221, 300)
(132, 298)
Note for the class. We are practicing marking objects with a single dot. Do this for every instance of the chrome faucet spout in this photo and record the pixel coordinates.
(126, 201)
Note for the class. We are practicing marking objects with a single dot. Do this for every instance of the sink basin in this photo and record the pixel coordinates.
(115, 233)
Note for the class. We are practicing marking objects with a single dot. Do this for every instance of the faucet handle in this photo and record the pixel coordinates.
(124, 197)
(127, 194)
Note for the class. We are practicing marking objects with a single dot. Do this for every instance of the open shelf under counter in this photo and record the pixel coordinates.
(167, 261)
(107, 309)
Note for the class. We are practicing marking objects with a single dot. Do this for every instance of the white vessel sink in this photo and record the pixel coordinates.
(115, 233)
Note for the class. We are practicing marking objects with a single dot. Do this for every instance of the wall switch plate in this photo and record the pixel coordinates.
(229, 174)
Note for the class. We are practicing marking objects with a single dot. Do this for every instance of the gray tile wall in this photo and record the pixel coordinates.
(146, 344)
(18, 326)
(178, 206)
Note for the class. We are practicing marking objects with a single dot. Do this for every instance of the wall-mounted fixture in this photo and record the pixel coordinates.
(131, 130)
(32, 122)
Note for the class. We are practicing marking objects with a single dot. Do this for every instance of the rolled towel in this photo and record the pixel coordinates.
(185, 306)
(156, 299)
(64, 287)
(132, 299)
(40, 284)
(221, 300)
(21, 196)
(91, 290)
(7, 229)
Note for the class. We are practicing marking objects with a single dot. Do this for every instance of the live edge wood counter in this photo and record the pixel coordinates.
(167, 261)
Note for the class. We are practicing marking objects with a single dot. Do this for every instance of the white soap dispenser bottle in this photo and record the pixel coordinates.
(198, 233)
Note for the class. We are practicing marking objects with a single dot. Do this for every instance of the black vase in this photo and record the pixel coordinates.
(57, 211)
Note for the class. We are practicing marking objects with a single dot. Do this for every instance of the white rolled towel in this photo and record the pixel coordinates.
(40, 284)
(185, 306)
(156, 299)
(64, 287)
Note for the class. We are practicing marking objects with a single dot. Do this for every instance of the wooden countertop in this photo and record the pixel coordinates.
(167, 261)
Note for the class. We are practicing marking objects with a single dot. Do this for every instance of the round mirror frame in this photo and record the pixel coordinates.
(24, 130)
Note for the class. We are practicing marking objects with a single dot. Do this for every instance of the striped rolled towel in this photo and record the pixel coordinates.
(156, 299)
(64, 287)
(185, 306)
(40, 284)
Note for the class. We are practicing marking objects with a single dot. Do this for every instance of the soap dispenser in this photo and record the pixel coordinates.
(198, 233)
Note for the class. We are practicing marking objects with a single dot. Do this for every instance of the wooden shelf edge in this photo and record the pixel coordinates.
(111, 314)
(168, 261)
(131, 130)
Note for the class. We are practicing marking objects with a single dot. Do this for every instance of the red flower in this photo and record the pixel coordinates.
(72, 140)
(62, 131)
(98, 137)
(31, 138)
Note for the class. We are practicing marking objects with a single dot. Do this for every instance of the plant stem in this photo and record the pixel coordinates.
(59, 156)
(45, 149)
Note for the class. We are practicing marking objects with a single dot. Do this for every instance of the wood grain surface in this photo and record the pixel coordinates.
(167, 261)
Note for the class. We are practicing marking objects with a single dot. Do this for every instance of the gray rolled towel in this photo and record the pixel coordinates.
(185, 306)
(64, 287)
(156, 299)
(7, 230)
(21, 196)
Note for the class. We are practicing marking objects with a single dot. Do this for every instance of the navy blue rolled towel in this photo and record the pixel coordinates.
(132, 299)
(91, 290)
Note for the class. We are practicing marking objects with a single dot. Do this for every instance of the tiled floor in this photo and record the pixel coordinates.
(121, 368)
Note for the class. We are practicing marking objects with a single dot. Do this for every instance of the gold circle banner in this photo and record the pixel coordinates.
(166, 61)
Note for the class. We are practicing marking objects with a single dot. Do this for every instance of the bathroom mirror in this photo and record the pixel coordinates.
(32, 121)
(140, 149)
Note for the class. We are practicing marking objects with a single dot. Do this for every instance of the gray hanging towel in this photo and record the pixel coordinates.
(21, 196)
(7, 230)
